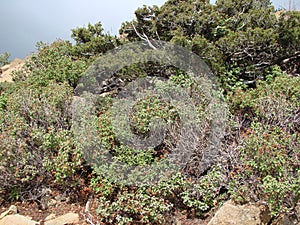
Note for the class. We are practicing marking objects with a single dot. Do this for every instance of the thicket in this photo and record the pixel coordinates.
(254, 52)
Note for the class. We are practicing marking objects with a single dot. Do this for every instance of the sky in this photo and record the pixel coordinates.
(25, 22)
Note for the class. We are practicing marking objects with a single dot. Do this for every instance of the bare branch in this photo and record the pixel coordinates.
(144, 37)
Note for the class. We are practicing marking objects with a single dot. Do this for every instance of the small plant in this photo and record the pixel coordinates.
(130, 207)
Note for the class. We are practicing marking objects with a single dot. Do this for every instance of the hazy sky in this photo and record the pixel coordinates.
(24, 22)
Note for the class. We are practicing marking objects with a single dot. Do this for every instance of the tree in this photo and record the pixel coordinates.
(238, 39)
(91, 40)
(289, 39)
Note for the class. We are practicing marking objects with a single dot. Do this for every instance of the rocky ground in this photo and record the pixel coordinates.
(5, 71)
(60, 213)
(64, 213)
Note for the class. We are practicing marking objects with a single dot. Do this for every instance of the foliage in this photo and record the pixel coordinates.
(143, 113)
(53, 62)
(289, 39)
(91, 41)
(230, 34)
(269, 148)
(4, 58)
(250, 58)
(248, 48)
(130, 207)
(152, 204)
(268, 171)
(36, 146)
(274, 102)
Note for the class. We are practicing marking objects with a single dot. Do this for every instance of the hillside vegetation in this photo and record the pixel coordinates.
(253, 51)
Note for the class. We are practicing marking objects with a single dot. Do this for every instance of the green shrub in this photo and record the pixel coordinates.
(42, 106)
(54, 62)
(196, 196)
(37, 146)
(92, 41)
(274, 102)
(133, 207)
(267, 168)
(153, 204)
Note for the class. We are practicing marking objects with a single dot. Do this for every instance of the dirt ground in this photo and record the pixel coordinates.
(32, 210)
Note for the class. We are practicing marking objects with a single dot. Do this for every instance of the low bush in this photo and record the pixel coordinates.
(37, 147)
(269, 169)
(268, 151)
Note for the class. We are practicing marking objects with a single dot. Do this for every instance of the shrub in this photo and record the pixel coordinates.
(130, 207)
(54, 62)
(154, 204)
(91, 40)
(269, 169)
(274, 102)
(37, 147)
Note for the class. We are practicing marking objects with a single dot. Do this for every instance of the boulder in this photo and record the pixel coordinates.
(70, 218)
(230, 214)
(17, 220)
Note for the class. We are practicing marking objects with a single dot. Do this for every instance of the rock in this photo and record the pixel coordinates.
(17, 220)
(11, 211)
(70, 218)
(5, 68)
(230, 214)
(50, 217)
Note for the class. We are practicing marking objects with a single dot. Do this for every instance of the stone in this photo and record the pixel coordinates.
(5, 68)
(230, 214)
(11, 211)
(50, 217)
(17, 220)
(70, 218)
